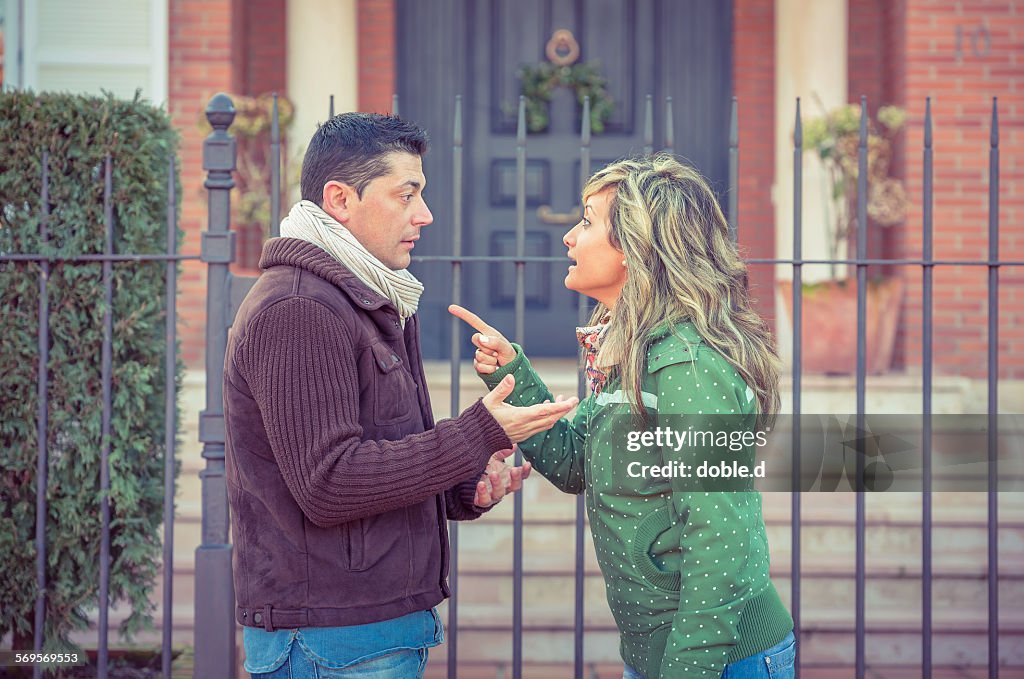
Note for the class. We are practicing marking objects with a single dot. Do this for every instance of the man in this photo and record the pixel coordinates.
(339, 480)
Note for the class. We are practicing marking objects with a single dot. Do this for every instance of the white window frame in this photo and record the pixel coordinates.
(22, 19)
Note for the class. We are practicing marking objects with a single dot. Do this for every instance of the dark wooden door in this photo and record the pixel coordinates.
(678, 48)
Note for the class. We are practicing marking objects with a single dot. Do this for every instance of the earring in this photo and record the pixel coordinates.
(623, 262)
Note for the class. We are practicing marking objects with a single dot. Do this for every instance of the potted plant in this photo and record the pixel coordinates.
(829, 327)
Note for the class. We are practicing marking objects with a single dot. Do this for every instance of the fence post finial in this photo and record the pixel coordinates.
(214, 592)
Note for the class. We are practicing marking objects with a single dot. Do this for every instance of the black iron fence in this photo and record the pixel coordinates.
(215, 628)
(213, 613)
(105, 260)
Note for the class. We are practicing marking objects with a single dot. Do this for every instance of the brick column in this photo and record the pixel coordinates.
(201, 58)
(754, 84)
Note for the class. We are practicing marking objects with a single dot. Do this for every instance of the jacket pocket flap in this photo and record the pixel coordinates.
(385, 357)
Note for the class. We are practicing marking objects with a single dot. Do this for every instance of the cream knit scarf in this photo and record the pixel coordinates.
(308, 221)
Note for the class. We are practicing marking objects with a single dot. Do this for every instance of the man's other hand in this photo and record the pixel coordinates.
(499, 479)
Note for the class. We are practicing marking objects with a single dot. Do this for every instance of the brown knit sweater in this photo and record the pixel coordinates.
(340, 483)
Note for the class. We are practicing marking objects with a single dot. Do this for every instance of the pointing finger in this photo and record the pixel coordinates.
(472, 319)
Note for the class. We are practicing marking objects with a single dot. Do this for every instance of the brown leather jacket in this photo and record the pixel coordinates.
(339, 481)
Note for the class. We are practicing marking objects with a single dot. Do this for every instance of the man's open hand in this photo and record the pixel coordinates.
(520, 423)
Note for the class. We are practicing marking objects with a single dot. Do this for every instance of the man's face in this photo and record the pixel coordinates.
(388, 218)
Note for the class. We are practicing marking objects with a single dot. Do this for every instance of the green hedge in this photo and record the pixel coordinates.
(78, 131)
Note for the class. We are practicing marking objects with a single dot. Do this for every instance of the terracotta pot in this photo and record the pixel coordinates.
(829, 324)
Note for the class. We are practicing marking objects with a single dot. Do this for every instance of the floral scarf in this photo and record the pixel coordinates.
(590, 338)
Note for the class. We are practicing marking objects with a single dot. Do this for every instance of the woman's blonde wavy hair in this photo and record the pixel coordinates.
(681, 265)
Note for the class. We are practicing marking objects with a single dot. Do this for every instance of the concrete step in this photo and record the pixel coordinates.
(828, 393)
(890, 599)
(893, 617)
(826, 553)
(182, 624)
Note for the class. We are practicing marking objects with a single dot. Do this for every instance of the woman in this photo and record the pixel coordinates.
(673, 345)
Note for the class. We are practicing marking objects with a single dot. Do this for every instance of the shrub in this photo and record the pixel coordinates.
(78, 131)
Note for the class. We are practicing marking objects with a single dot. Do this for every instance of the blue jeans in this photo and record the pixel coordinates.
(777, 662)
(402, 664)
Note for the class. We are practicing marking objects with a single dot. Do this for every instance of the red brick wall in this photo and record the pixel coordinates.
(962, 86)
(875, 51)
(201, 57)
(215, 46)
(894, 18)
(376, 55)
(754, 84)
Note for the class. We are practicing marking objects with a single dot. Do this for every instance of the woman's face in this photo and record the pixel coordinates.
(598, 271)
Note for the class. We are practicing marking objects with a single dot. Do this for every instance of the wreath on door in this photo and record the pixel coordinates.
(537, 83)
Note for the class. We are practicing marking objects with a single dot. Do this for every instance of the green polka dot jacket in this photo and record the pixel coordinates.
(685, 562)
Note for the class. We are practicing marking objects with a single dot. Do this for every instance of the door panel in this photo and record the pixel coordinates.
(660, 47)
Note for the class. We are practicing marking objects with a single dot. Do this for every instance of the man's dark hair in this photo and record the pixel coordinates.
(352, 147)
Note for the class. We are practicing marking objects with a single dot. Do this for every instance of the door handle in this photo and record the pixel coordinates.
(549, 216)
